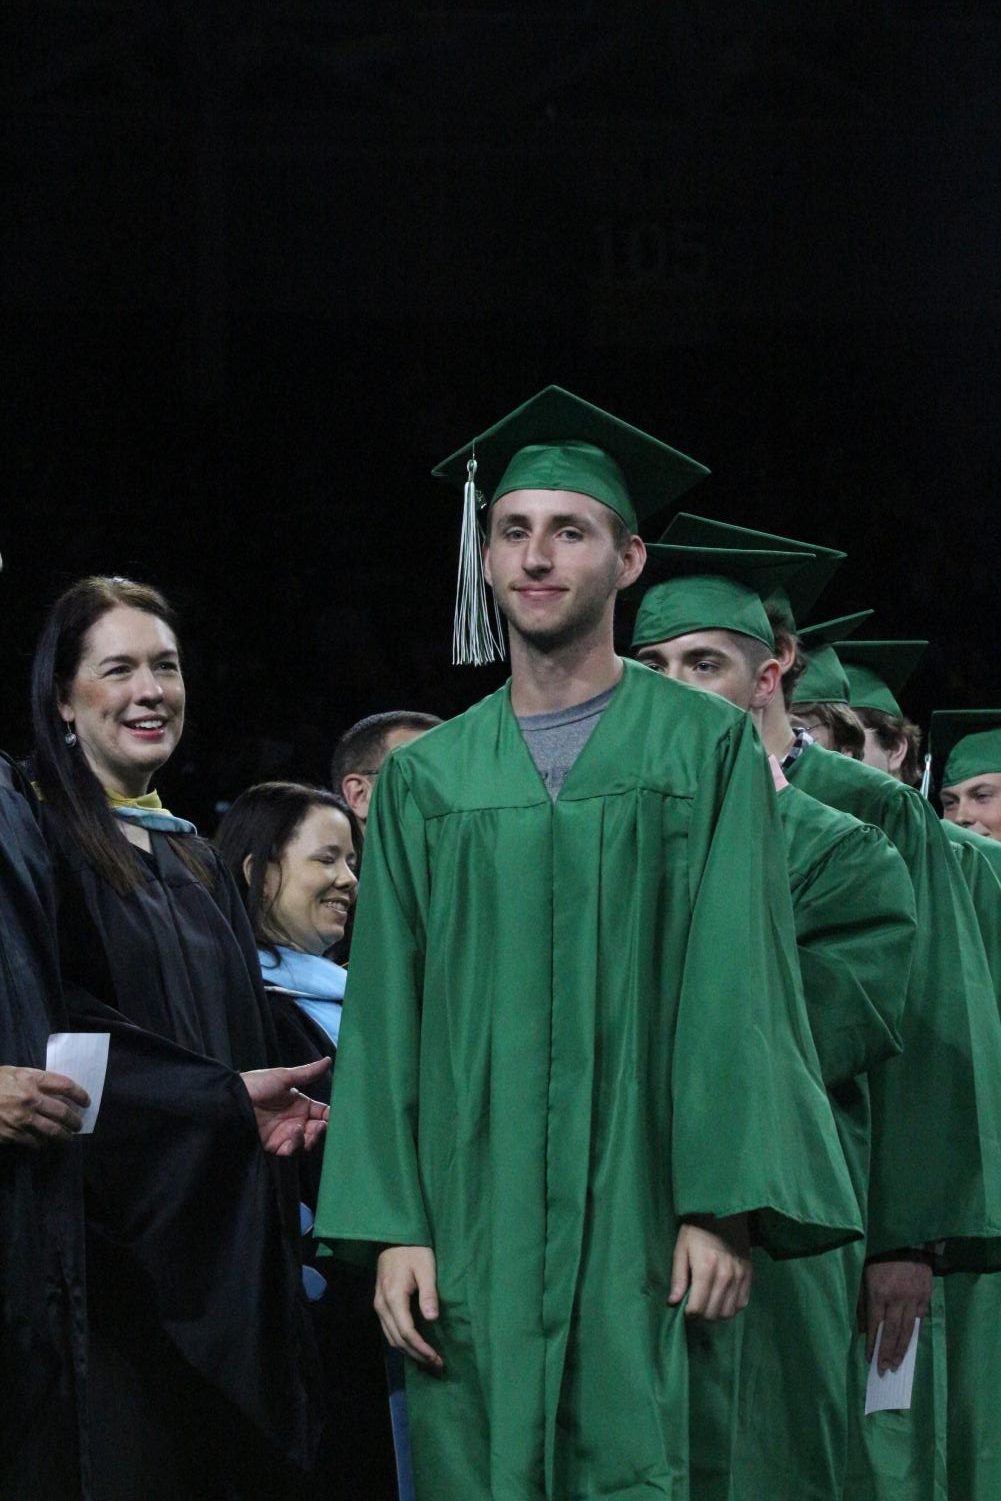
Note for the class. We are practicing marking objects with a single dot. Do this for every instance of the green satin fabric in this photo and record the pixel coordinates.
(936, 1172)
(567, 1026)
(781, 1431)
(972, 1301)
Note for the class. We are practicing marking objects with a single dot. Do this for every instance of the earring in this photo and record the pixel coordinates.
(70, 737)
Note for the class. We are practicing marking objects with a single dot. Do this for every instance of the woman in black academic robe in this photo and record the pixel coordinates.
(293, 852)
(203, 1369)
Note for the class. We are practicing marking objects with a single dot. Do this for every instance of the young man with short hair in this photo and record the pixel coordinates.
(935, 1176)
(781, 1430)
(574, 950)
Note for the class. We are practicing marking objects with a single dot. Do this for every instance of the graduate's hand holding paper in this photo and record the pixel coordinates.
(37, 1106)
(896, 1290)
(402, 1272)
(287, 1120)
(712, 1262)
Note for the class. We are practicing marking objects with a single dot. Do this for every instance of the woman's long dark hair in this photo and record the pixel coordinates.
(261, 823)
(66, 781)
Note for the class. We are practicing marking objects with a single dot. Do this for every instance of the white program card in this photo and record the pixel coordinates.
(82, 1057)
(891, 1392)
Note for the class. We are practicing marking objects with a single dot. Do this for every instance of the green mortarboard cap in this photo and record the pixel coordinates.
(710, 588)
(967, 741)
(878, 670)
(801, 591)
(825, 680)
(555, 441)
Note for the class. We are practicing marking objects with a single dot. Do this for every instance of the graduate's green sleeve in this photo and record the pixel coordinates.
(855, 929)
(753, 1127)
(370, 1189)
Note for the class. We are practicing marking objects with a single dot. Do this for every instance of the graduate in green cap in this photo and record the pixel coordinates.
(935, 1172)
(877, 672)
(781, 1432)
(963, 745)
(574, 950)
(820, 697)
(971, 777)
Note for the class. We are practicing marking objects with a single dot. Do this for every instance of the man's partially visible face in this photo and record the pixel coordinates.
(975, 804)
(815, 727)
(552, 561)
(877, 755)
(710, 660)
(358, 786)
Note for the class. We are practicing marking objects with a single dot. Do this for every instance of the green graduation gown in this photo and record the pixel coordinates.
(787, 1437)
(936, 1172)
(567, 1027)
(972, 1300)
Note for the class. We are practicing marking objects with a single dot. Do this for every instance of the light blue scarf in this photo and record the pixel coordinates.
(149, 813)
(317, 984)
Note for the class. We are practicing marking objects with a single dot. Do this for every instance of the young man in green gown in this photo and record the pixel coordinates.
(781, 1429)
(936, 1170)
(576, 1074)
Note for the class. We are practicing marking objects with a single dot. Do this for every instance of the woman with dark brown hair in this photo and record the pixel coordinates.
(201, 1358)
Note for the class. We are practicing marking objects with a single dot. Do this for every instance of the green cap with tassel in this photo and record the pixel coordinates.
(555, 441)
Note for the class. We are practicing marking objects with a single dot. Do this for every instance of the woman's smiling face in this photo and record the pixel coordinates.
(126, 700)
(309, 892)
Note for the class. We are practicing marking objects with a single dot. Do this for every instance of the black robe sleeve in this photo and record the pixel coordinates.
(42, 1303)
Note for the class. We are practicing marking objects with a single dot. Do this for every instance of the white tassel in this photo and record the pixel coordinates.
(474, 641)
(926, 776)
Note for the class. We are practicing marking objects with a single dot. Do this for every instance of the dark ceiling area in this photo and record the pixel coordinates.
(265, 264)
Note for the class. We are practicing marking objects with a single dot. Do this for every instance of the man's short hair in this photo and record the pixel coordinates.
(362, 748)
(785, 639)
(754, 653)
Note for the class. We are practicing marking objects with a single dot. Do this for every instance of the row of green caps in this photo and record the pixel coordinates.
(706, 574)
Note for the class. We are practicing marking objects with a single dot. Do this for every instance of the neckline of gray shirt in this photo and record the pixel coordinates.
(555, 739)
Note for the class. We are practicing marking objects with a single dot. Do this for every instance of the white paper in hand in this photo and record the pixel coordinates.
(891, 1392)
(82, 1057)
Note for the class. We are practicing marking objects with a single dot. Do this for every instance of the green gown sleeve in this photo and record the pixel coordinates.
(370, 1188)
(753, 1125)
(854, 915)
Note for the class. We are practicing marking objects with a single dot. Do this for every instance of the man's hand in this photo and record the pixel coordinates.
(403, 1271)
(896, 1290)
(287, 1121)
(37, 1107)
(712, 1258)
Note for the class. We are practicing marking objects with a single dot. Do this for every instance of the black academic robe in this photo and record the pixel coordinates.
(356, 1452)
(204, 1366)
(42, 1305)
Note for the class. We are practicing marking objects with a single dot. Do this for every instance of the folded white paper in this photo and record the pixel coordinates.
(82, 1057)
(892, 1390)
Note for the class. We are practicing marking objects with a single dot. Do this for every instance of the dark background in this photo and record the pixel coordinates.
(266, 263)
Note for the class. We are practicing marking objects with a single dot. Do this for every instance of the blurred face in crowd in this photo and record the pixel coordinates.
(126, 700)
(357, 786)
(975, 804)
(877, 755)
(820, 732)
(309, 892)
(553, 562)
(714, 661)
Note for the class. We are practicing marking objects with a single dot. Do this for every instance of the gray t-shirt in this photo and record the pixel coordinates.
(557, 739)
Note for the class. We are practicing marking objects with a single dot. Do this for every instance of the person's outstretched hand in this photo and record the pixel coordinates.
(287, 1120)
(37, 1107)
